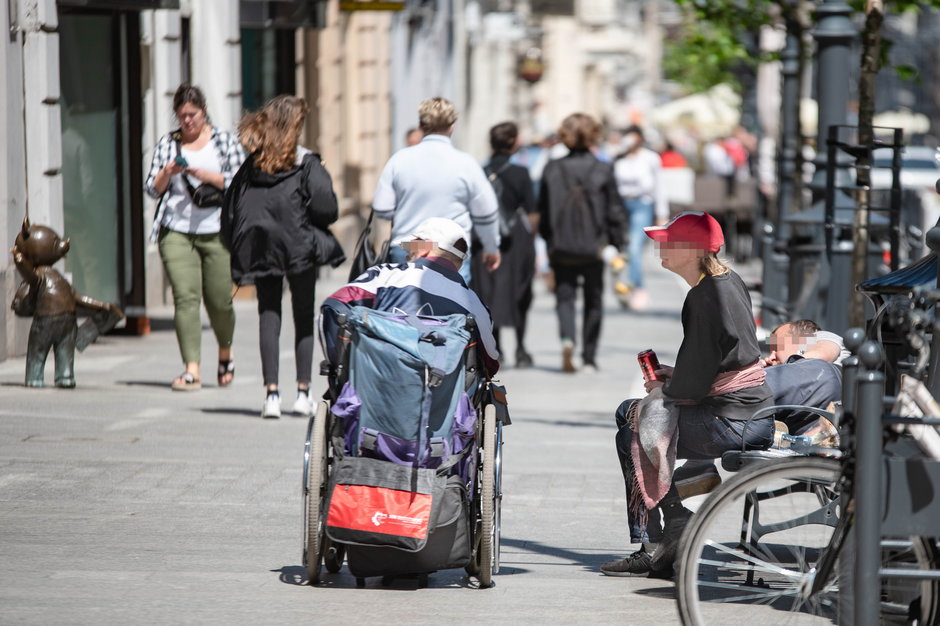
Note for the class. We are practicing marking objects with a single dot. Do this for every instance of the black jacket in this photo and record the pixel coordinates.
(276, 224)
(598, 180)
(719, 336)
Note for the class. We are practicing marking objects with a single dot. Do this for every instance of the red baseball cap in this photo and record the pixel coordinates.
(700, 229)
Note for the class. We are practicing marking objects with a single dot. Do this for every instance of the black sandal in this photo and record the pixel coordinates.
(226, 367)
(186, 382)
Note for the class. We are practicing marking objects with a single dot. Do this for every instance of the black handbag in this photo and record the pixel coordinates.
(326, 247)
(365, 257)
(205, 195)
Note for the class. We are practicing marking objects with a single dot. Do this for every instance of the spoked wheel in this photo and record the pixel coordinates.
(314, 487)
(754, 545)
(488, 502)
(904, 600)
(498, 496)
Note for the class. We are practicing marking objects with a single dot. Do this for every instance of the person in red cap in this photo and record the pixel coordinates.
(716, 385)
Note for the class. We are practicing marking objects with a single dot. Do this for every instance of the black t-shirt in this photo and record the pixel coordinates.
(719, 335)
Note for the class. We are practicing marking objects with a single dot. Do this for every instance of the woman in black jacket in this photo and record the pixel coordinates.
(275, 222)
(507, 290)
(580, 212)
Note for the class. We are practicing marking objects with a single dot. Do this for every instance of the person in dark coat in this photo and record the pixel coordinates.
(507, 291)
(275, 220)
(580, 211)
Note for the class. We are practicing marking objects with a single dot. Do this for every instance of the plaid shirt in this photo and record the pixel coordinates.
(231, 156)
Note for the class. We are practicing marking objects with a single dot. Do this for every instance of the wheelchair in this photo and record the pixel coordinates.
(402, 461)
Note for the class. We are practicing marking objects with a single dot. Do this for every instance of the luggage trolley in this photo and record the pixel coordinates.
(403, 456)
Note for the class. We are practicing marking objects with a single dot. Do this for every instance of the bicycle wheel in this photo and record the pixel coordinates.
(314, 490)
(754, 542)
(903, 601)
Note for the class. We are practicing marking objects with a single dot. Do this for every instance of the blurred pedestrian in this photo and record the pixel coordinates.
(434, 179)
(276, 221)
(508, 290)
(190, 168)
(671, 157)
(698, 409)
(413, 137)
(580, 212)
(637, 172)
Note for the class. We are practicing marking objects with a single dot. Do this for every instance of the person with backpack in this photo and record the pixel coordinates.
(275, 222)
(428, 282)
(507, 291)
(580, 212)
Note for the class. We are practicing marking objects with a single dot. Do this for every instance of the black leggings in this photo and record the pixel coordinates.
(302, 296)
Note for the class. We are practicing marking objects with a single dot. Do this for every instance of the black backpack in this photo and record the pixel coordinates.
(578, 233)
(507, 215)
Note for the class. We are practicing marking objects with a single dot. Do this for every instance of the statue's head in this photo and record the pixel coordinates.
(41, 244)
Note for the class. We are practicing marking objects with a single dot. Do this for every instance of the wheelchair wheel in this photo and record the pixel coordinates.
(755, 542)
(488, 502)
(314, 489)
(498, 496)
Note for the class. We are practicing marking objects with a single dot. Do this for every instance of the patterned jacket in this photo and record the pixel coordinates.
(231, 156)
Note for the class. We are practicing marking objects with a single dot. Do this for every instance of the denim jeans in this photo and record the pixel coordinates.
(702, 435)
(639, 215)
(397, 254)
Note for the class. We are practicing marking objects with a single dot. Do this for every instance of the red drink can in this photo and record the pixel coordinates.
(648, 364)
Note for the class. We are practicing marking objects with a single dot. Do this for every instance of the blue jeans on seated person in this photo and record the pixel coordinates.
(702, 435)
(639, 215)
(397, 254)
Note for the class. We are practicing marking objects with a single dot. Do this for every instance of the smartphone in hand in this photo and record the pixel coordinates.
(181, 160)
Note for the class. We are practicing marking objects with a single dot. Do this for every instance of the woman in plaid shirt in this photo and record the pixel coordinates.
(195, 261)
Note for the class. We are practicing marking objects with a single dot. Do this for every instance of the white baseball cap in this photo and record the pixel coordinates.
(444, 232)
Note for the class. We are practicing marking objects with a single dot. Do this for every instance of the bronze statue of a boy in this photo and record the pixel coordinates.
(48, 297)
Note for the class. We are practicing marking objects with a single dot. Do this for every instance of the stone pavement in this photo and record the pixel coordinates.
(123, 502)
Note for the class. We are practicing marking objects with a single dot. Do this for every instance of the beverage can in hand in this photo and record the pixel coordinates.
(648, 364)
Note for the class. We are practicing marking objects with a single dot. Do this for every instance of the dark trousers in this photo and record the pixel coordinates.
(591, 276)
(702, 435)
(302, 296)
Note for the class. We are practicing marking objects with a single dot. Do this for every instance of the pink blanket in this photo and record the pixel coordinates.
(655, 420)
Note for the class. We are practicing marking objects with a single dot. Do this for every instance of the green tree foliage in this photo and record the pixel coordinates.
(709, 48)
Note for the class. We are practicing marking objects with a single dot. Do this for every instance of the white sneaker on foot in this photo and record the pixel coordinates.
(303, 405)
(272, 406)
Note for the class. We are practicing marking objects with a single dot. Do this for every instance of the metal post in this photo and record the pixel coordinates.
(833, 34)
(868, 491)
(854, 338)
(776, 234)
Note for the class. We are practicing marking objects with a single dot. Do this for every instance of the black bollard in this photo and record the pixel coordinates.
(868, 491)
(854, 338)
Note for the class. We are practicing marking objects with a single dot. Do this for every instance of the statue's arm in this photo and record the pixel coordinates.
(24, 265)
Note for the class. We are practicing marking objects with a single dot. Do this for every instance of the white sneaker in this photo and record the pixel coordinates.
(303, 405)
(272, 406)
